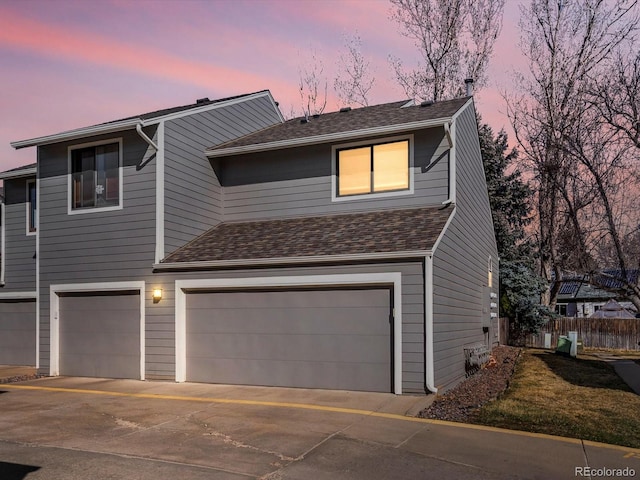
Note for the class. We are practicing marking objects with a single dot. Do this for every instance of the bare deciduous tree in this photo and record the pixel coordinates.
(353, 81)
(313, 86)
(574, 160)
(455, 39)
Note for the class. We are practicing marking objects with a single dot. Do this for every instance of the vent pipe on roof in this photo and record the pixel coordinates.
(468, 82)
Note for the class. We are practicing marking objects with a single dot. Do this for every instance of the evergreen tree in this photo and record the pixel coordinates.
(509, 196)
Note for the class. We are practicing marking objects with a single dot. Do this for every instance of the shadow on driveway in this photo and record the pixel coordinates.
(15, 471)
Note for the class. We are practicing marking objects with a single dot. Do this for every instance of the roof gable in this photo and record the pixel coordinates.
(144, 119)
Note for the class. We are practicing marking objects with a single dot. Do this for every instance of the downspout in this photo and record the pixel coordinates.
(145, 137)
(159, 150)
(429, 373)
(450, 133)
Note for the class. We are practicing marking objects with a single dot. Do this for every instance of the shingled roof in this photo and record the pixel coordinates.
(299, 130)
(389, 231)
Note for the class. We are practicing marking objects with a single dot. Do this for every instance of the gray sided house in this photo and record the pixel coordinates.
(218, 243)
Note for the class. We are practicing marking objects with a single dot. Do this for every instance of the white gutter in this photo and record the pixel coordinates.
(106, 128)
(328, 137)
(429, 369)
(77, 133)
(25, 172)
(253, 262)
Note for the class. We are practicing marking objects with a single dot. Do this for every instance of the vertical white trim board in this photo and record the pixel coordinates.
(54, 315)
(393, 279)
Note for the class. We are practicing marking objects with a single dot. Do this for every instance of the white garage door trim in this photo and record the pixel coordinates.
(390, 278)
(54, 315)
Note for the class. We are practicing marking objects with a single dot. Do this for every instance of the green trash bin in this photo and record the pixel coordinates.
(564, 346)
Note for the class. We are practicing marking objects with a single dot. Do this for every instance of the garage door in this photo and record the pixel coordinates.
(100, 335)
(18, 332)
(334, 339)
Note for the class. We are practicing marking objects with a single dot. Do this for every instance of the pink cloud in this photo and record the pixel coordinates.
(79, 46)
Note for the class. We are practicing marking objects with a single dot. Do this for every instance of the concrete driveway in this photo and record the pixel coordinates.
(79, 428)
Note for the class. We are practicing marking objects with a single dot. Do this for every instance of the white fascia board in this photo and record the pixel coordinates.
(77, 134)
(25, 172)
(467, 104)
(211, 106)
(290, 260)
(129, 123)
(329, 137)
(444, 230)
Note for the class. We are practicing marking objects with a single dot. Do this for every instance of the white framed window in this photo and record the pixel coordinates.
(95, 176)
(371, 169)
(32, 205)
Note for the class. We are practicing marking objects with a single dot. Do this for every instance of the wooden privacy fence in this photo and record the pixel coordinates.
(614, 333)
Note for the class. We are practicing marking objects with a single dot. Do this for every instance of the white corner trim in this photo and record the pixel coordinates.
(80, 211)
(160, 252)
(429, 367)
(38, 268)
(443, 231)
(391, 278)
(54, 315)
(452, 164)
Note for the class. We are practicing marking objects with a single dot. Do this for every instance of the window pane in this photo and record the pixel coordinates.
(107, 192)
(391, 166)
(32, 207)
(354, 170)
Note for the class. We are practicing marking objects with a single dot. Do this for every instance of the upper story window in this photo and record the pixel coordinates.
(95, 176)
(32, 205)
(373, 168)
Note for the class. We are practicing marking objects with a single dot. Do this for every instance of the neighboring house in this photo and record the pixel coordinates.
(579, 298)
(612, 309)
(218, 243)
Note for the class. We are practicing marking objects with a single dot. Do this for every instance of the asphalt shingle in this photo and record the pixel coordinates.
(388, 231)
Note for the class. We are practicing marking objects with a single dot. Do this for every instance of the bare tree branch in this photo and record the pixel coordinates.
(354, 81)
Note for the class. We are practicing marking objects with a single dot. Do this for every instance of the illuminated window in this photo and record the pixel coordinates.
(373, 168)
(490, 269)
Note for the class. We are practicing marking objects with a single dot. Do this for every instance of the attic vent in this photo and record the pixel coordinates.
(304, 120)
(426, 103)
(200, 101)
(345, 109)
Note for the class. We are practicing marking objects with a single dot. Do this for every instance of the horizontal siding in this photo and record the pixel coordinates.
(160, 325)
(297, 181)
(193, 196)
(20, 248)
(460, 263)
(111, 246)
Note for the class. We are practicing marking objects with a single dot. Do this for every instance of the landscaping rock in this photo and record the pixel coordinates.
(461, 403)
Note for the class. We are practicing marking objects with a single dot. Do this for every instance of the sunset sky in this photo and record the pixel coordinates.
(69, 64)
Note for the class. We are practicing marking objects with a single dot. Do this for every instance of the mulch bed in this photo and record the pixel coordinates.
(461, 403)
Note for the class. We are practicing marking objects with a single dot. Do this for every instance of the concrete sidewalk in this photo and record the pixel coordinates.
(110, 428)
(627, 369)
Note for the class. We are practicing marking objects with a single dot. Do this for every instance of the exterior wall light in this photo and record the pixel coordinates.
(157, 295)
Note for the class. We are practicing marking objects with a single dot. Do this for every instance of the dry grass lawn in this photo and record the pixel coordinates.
(575, 397)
